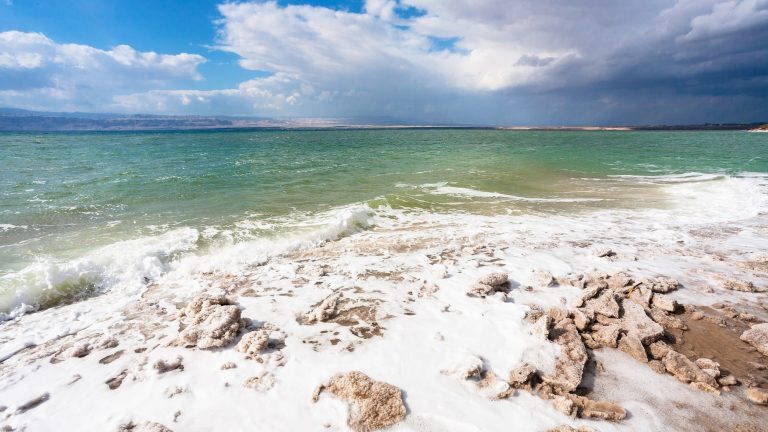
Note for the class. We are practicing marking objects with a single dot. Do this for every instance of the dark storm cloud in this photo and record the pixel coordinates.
(506, 62)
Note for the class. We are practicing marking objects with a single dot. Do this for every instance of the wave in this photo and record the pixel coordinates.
(718, 198)
(688, 177)
(8, 227)
(444, 189)
(177, 254)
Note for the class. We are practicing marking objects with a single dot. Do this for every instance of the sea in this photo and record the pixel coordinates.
(82, 214)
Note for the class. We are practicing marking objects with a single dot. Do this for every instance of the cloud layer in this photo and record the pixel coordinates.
(458, 61)
(38, 73)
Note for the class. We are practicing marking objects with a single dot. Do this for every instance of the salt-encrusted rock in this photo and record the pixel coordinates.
(631, 345)
(665, 319)
(728, 380)
(495, 279)
(739, 285)
(489, 284)
(599, 409)
(574, 280)
(80, 350)
(32, 403)
(605, 304)
(261, 382)
(564, 405)
(558, 314)
(480, 290)
(463, 366)
(228, 365)
(604, 320)
(543, 278)
(212, 322)
(569, 366)
(589, 293)
(705, 388)
(581, 319)
(373, 405)
(710, 367)
(589, 342)
(757, 336)
(664, 303)
(658, 349)
(541, 327)
(748, 317)
(107, 342)
(574, 405)
(604, 252)
(685, 370)
(533, 313)
(757, 395)
(619, 281)
(143, 427)
(657, 366)
(606, 335)
(595, 280)
(663, 285)
(163, 366)
(641, 295)
(324, 311)
(494, 388)
(253, 343)
(635, 321)
(521, 375)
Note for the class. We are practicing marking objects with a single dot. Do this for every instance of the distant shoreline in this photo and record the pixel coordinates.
(13, 120)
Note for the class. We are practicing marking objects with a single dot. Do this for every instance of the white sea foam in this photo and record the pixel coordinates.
(125, 265)
(177, 254)
(671, 178)
(709, 199)
(9, 227)
(441, 189)
(129, 265)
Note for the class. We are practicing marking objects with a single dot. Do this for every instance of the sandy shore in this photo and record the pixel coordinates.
(592, 305)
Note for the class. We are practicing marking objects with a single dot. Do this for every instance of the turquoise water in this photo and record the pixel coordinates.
(62, 196)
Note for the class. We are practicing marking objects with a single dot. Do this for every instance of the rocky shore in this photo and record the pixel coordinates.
(436, 326)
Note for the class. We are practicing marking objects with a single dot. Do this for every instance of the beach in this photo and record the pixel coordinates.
(494, 280)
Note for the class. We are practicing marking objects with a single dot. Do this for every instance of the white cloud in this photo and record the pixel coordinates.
(267, 96)
(442, 60)
(37, 72)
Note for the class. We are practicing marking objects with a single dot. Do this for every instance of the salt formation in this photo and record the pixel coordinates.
(211, 322)
(757, 395)
(757, 335)
(471, 368)
(163, 366)
(253, 343)
(613, 311)
(261, 382)
(489, 284)
(373, 405)
(323, 311)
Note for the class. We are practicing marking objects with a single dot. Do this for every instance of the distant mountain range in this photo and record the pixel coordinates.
(19, 120)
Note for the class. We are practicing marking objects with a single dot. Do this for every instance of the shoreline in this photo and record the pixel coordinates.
(402, 316)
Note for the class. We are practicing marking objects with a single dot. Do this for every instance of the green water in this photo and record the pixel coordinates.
(62, 195)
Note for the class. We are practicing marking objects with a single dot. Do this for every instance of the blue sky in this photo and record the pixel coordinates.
(430, 61)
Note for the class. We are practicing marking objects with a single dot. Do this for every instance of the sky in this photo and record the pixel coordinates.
(481, 62)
